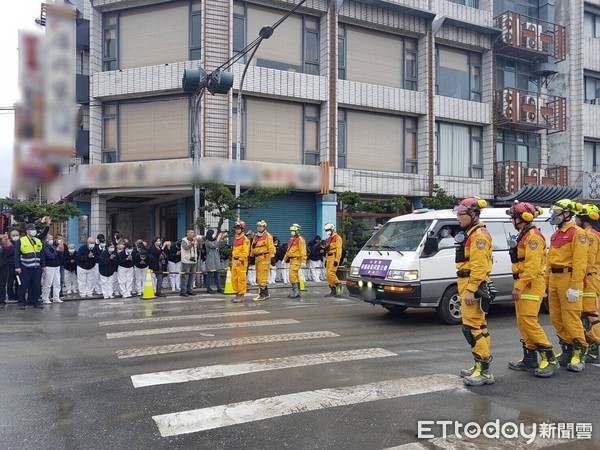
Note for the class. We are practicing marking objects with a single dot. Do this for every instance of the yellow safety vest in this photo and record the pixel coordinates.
(26, 246)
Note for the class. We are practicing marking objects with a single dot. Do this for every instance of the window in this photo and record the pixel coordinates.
(239, 28)
(342, 51)
(110, 42)
(311, 135)
(524, 147)
(195, 30)
(311, 45)
(471, 3)
(592, 156)
(410, 64)
(592, 90)
(109, 133)
(342, 137)
(410, 145)
(459, 150)
(528, 8)
(513, 74)
(458, 73)
(591, 24)
(499, 232)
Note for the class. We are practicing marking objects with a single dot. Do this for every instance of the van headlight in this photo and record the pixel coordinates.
(354, 271)
(403, 275)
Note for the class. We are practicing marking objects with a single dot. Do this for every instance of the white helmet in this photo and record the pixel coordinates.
(329, 227)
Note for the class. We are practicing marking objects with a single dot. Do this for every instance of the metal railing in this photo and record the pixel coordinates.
(525, 110)
(510, 176)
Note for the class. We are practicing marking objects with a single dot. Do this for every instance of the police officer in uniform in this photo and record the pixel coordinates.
(263, 250)
(591, 288)
(29, 264)
(239, 261)
(474, 265)
(333, 256)
(296, 255)
(528, 256)
(566, 266)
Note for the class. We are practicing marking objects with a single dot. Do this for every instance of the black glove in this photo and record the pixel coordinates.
(335, 264)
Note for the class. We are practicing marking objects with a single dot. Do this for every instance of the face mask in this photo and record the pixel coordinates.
(60, 242)
(556, 219)
(293, 233)
(91, 246)
(445, 234)
(129, 251)
(460, 238)
(330, 232)
(157, 243)
(102, 246)
(50, 242)
(259, 233)
(71, 251)
(111, 249)
(33, 233)
(142, 258)
(15, 238)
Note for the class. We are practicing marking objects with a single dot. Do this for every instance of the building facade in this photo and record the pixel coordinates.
(381, 98)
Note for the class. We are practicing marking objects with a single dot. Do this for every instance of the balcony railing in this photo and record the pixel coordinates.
(510, 176)
(530, 111)
(530, 38)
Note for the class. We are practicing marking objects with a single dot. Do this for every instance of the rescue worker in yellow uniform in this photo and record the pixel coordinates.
(333, 256)
(239, 261)
(566, 266)
(262, 251)
(296, 256)
(474, 265)
(528, 257)
(586, 218)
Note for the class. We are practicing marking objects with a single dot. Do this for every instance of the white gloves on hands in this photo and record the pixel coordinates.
(572, 295)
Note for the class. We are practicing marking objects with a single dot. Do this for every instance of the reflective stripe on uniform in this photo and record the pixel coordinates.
(529, 297)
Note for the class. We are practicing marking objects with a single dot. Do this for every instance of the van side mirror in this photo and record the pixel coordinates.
(431, 245)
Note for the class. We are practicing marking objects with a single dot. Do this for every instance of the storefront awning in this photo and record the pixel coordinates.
(540, 195)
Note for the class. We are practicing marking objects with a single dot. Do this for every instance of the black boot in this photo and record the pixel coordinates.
(577, 363)
(338, 290)
(549, 364)
(529, 362)
(592, 353)
(295, 291)
(482, 374)
(258, 297)
(291, 294)
(332, 292)
(567, 351)
(265, 294)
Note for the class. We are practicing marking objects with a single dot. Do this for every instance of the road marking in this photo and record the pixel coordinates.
(265, 408)
(410, 446)
(453, 442)
(190, 346)
(214, 326)
(259, 365)
(188, 317)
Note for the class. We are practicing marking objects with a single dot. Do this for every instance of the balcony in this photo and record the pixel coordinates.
(530, 38)
(531, 182)
(529, 111)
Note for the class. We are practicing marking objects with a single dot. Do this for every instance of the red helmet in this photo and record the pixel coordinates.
(240, 224)
(471, 204)
(524, 211)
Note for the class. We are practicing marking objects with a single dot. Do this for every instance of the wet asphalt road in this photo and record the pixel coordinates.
(64, 386)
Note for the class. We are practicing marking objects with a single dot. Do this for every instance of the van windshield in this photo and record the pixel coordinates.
(399, 236)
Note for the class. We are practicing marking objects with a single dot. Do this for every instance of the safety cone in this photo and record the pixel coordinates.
(148, 287)
(228, 285)
(301, 279)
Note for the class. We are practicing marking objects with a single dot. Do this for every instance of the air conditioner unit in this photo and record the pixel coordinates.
(529, 108)
(531, 36)
(595, 101)
(511, 29)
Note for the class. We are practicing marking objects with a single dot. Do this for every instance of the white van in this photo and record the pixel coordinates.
(407, 263)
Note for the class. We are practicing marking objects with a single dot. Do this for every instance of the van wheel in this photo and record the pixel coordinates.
(449, 309)
(396, 309)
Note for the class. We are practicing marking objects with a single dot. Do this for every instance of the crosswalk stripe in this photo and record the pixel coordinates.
(190, 346)
(260, 365)
(213, 326)
(410, 446)
(265, 408)
(463, 443)
(188, 317)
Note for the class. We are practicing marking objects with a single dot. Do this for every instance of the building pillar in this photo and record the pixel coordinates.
(98, 214)
(181, 225)
(326, 211)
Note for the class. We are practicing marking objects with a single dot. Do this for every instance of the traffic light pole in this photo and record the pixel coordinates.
(196, 141)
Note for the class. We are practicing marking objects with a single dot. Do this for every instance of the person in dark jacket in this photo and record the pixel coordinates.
(70, 265)
(29, 265)
(107, 265)
(213, 259)
(141, 264)
(158, 264)
(51, 277)
(12, 287)
(315, 259)
(4, 249)
(87, 257)
(173, 251)
(125, 271)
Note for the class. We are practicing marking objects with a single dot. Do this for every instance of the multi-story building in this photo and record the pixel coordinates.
(377, 97)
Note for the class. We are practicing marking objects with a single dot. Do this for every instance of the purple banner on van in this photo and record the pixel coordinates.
(375, 267)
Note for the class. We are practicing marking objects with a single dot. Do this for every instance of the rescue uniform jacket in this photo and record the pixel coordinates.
(53, 257)
(106, 265)
(83, 259)
(296, 249)
(333, 246)
(123, 261)
(70, 261)
(241, 248)
(476, 263)
(593, 261)
(28, 253)
(263, 245)
(568, 251)
(530, 256)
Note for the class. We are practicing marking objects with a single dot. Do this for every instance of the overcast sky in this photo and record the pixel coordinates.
(14, 15)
